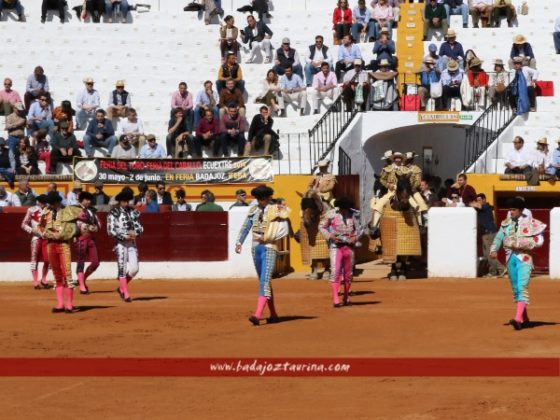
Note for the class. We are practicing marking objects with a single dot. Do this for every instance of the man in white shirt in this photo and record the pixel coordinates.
(87, 102)
(152, 150)
(133, 129)
(72, 196)
(292, 90)
(351, 88)
(556, 35)
(325, 87)
(519, 160)
(7, 199)
(318, 54)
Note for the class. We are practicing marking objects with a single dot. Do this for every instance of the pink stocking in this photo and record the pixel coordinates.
(261, 303)
(124, 287)
(520, 309)
(82, 281)
(69, 298)
(335, 286)
(59, 290)
(35, 276)
(271, 307)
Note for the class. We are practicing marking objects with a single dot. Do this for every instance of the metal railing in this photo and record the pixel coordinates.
(290, 159)
(344, 162)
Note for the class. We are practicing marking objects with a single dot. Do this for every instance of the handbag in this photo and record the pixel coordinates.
(436, 90)
(411, 89)
(410, 103)
(378, 91)
(500, 87)
(544, 88)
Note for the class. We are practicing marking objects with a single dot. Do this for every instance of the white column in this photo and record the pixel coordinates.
(554, 251)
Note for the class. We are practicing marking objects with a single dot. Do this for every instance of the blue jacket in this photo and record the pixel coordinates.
(107, 129)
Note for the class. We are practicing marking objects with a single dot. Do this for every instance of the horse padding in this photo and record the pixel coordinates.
(313, 245)
(400, 234)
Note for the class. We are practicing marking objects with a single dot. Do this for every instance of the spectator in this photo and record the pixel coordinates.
(64, 147)
(64, 112)
(115, 9)
(519, 160)
(348, 52)
(230, 70)
(37, 84)
(133, 129)
(261, 135)
(457, 7)
(95, 8)
(182, 99)
(522, 95)
(292, 90)
(7, 163)
(287, 55)
(325, 88)
(208, 202)
(232, 130)
(13, 4)
(467, 194)
(119, 101)
(15, 124)
(179, 141)
(228, 38)
(59, 5)
(141, 197)
(8, 97)
(435, 17)
(522, 48)
(427, 76)
(230, 94)
(100, 133)
(473, 91)
(152, 150)
(503, 8)
(487, 230)
(259, 6)
(42, 146)
(451, 50)
(163, 197)
(361, 25)
(240, 199)
(52, 187)
(152, 205)
(382, 17)
(206, 99)
(271, 89)
(543, 159)
(433, 54)
(451, 79)
(181, 204)
(555, 161)
(481, 10)
(26, 159)
(99, 196)
(342, 20)
(87, 103)
(40, 115)
(124, 149)
(355, 81)
(25, 194)
(257, 35)
(8, 199)
(396, 5)
(497, 85)
(210, 9)
(385, 95)
(384, 48)
(72, 196)
(318, 54)
(207, 132)
(427, 194)
(556, 35)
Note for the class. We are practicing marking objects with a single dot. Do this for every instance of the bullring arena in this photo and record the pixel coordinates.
(436, 345)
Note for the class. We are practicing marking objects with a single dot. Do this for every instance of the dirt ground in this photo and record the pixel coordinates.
(414, 318)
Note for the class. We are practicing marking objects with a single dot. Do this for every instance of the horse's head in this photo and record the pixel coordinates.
(310, 212)
(403, 193)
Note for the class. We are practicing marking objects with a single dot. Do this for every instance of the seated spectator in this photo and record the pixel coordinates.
(542, 160)
(325, 88)
(140, 199)
(210, 9)
(152, 150)
(231, 94)
(427, 76)
(355, 88)
(384, 48)
(37, 84)
(348, 52)
(556, 35)
(64, 147)
(13, 4)
(318, 54)
(395, 4)
(206, 99)
(427, 194)
(467, 194)
(470, 55)
(257, 35)
(481, 10)
(208, 202)
(435, 17)
(232, 131)
(152, 205)
(99, 196)
(341, 20)
(292, 90)
(503, 8)
(261, 135)
(179, 141)
(519, 160)
(163, 197)
(384, 95)
(183, 99)
(115, 9)
(473, 90)
(451, 79)
(498, 82)
(25, 194)
(43, 148)
(458, 7)
(124, 149)
(59, 5)
(287, 55)
(119, 102)
(64, 112)
(26, 159)
(451, 50)
(228, 38)
(240, 199)
(230, 70)
(72, 196)
(95, 8)
(181, 204)
(522, 48)
(271, 89)
(100, 133)
(454, 199)
(133, 129)
(87, 103)
(259, 6)
(8, 97)
(362, 24)
(555, 161)
(7, 163)
(522, 94)
(433, 54)
(52, 187)
(382, 17)
(8, 199)
(40, 115)
(15, 125)
(207, 132)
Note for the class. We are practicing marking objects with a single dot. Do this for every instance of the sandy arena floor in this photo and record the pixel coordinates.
(415, 318)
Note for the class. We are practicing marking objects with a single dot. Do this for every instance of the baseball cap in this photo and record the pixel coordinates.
(285, 40)
(432, 48)
(240, 192)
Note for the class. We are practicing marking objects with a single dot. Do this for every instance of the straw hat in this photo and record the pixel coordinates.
(543, 141)
(397, 155)
(119, 83)
(452, 65)
(389, 153)
(498, 62)
(89, 80)
(519, 39)
(357, 62)
(451, 34)
(323, 163)
(475, 62)
(384, 63)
